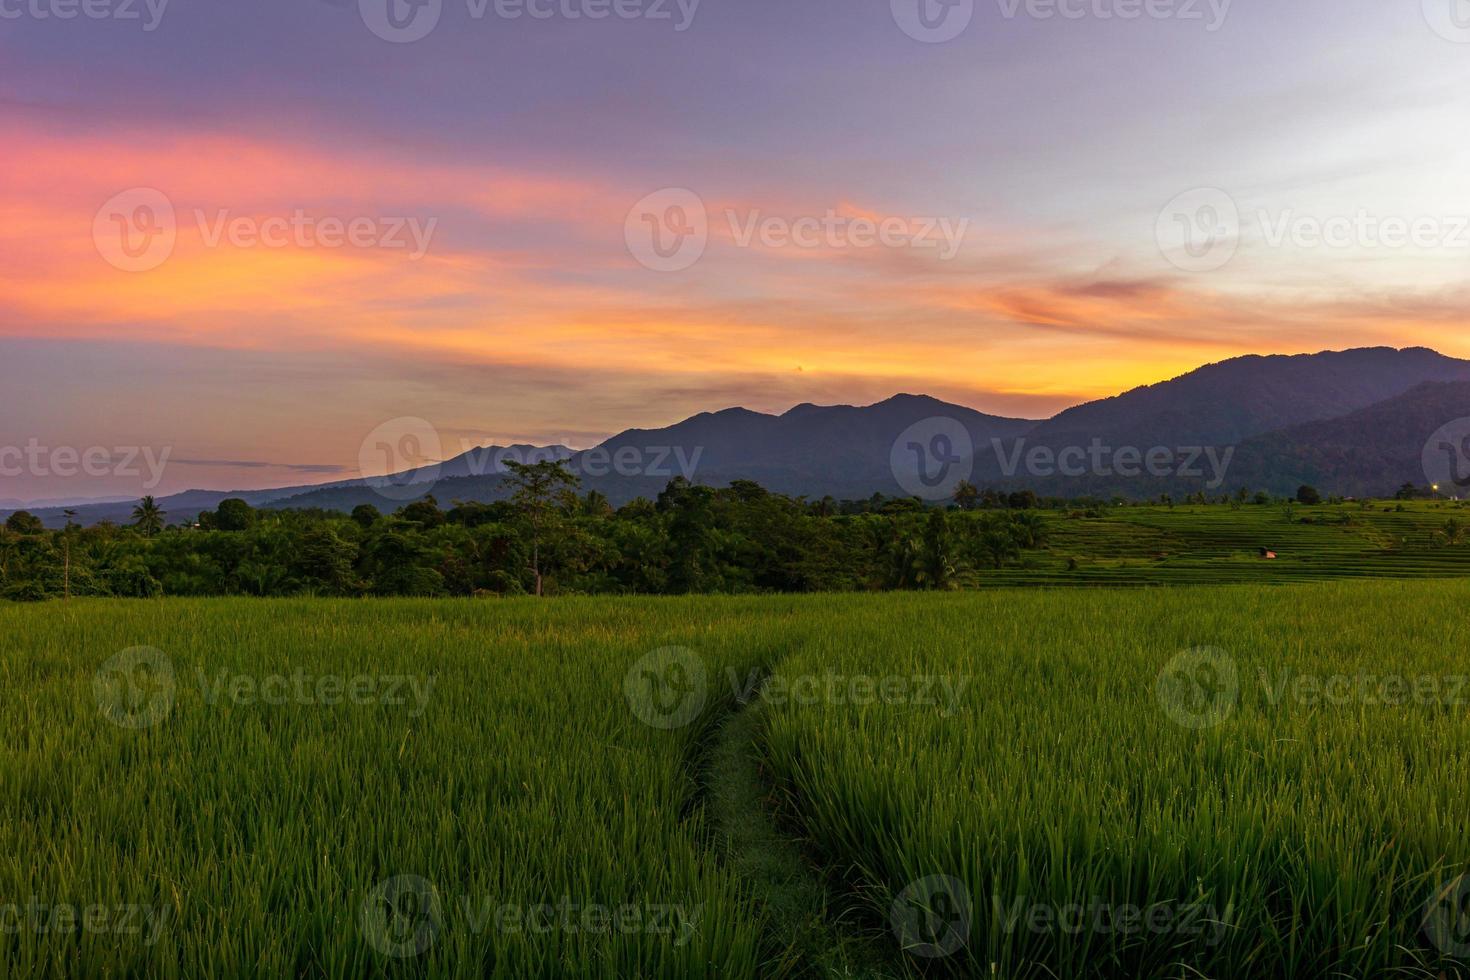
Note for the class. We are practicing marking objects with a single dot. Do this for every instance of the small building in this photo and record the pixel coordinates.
(1268, 554)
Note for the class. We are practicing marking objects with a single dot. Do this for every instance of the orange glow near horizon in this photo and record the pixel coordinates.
(528, 272)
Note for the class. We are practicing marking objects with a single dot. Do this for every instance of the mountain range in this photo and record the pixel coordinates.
(1352, 422)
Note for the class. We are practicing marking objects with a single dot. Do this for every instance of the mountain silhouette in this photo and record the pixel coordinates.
(1352, 422)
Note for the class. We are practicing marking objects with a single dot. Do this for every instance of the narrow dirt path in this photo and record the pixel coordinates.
(806, 938)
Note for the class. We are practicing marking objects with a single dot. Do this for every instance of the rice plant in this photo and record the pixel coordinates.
(1300, 812)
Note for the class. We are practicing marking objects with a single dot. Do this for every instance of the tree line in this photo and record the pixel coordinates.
(547, 538)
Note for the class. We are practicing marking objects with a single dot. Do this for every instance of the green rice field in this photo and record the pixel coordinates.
(1225, 781)
(1211, 544)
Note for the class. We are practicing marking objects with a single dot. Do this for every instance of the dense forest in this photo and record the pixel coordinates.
(547, 539)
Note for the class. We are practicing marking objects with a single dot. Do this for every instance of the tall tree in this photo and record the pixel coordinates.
(24, 522)
(234, 514)
(67, 537)
(148, 517)
(541, 493)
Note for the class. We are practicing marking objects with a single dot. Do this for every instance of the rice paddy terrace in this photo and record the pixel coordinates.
(1160, 545)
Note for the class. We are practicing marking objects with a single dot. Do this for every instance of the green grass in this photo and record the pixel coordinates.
(787, 827)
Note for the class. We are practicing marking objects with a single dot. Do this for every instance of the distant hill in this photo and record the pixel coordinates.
(1349, 422)
(1224, 406)
(813, 450)
(337, 495)
(1371, 452)
(178, 506)
(1225, 403)
(481, 468)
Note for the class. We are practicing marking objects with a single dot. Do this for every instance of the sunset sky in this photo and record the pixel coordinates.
(520, 147)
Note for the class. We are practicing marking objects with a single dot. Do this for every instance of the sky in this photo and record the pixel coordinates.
(248, 236)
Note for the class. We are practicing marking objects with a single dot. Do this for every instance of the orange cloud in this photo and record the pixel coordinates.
(529, 270)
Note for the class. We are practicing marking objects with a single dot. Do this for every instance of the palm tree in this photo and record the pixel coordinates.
(148, 517)
(596, 504)
(936, 568)
(905, 557)
(997, 544)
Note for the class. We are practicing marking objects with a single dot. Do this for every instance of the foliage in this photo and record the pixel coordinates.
(544, 541)
(24, 522)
